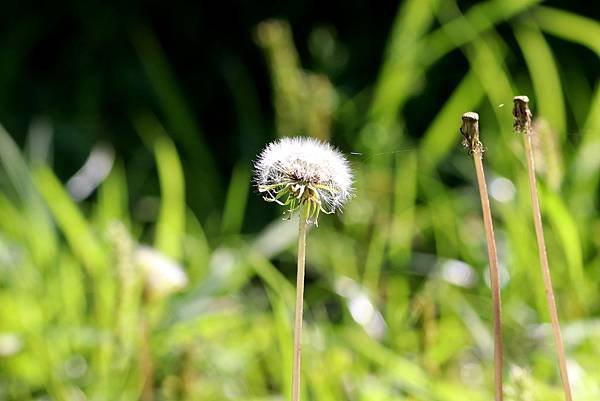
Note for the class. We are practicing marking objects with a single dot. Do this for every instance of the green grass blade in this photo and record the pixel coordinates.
(76, 229)
(587, 162)
(407, 65)
(545, 76)
(442, 135)
(197, 249)
(170, 226)
(565, 228)
(396, 79)
(113, 198)
(12, 221)
(477, 20)
(487, 61)
(569, 26)
(235, 202)
(42, 240)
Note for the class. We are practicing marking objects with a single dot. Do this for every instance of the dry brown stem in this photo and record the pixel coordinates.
(470, 131)
(522, 124)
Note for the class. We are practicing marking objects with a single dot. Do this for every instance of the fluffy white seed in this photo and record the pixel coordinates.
(308, 169)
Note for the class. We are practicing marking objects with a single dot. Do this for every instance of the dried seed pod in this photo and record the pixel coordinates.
(470, 131)
(522, 115)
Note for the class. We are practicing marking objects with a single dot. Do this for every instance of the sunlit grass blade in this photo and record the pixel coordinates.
(565, 227)
(587, 165)
(478, 19)
(410, 63)
(486, 58)
(170, 225)
(80, 236)
(235, 202)
(436, 142)
(12, 222)
(569, 26)
(197, 248)
(43, 243)
(113, 198)
(545, 76)
(397, 77)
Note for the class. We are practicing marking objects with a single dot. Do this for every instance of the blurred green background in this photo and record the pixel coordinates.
(137, 261)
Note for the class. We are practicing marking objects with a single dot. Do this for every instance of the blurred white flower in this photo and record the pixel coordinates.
(297, 171)
(161, 275)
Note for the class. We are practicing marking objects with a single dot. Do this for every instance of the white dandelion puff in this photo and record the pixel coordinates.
(297, 171)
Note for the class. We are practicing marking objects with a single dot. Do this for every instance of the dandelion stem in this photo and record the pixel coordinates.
(470, 130)
(522, 124)
(494, 274)
(304, 211)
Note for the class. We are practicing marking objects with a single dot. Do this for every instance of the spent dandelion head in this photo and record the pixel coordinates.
(470, 132)
(522, 115)
(303, 171)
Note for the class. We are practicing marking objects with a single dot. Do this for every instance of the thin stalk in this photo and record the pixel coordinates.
(299, 303)
(522, 124)
(470, 130)
(494, 274)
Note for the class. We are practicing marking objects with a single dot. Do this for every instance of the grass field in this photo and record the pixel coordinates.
(127, 295)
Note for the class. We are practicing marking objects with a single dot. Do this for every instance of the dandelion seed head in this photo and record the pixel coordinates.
(295, 171)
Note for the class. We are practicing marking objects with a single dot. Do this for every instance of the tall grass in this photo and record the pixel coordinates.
(399, 306)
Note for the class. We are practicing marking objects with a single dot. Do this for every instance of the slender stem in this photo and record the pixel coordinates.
(494, 274)
(299, 303)
(541, 243)
(470, 131)
(522, 124)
